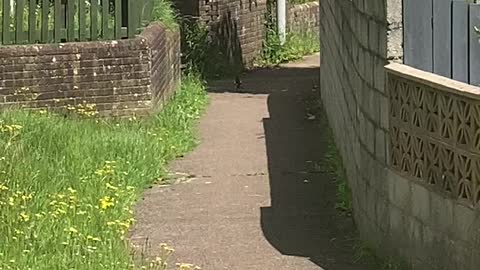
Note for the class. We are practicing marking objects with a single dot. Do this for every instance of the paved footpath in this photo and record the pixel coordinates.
(256, 197)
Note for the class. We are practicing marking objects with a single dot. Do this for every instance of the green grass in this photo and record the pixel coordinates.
(67, 186)
(164, 12)
(332, 162)
(364, 254)
(296, 46)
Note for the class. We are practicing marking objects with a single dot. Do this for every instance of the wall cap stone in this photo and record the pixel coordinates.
(435, 81)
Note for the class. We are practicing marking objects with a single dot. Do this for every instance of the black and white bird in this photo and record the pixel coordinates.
(238, 83)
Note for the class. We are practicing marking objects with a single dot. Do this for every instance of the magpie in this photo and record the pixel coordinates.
(238, 82)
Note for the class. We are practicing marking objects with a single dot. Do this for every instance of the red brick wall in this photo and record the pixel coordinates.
(239, 23)
(122, 77)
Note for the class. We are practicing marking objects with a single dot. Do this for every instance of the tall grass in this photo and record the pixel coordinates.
(67, 186)
(163, 11)
(295, 47)
(297, 43)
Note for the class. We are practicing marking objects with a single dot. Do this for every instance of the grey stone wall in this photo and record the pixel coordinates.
(396, 215)
(395, 30)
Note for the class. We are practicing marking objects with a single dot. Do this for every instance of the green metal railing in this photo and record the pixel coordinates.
(55, 21)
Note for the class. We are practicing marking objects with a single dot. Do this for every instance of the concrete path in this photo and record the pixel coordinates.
(256, 199)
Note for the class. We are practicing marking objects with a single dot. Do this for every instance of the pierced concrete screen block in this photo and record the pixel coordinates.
(434, 132)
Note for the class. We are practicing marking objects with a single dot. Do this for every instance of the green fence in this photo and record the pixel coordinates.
(55, 21)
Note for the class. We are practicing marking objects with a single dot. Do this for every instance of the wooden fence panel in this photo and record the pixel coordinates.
(32, 21)
(71, 20)
(6, 37)
(440, 38)
(460, 41)
(118, 19)
(442, 33)
(47, 21)
(474, 55)
(418, 32)
(94, 20)
(44, 25)
(19, 9)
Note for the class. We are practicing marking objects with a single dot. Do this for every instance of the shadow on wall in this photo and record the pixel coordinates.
(216, 51)
(302, 220)
(226, 53)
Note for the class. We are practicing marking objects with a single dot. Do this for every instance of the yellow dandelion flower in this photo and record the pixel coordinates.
(96, 239)
(27, 197)
(72, 230)
(110, 186)
(24, 217)
(106, 202)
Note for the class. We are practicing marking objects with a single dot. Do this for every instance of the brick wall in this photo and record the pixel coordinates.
(304, 18)
(239, 25)
(122, 77)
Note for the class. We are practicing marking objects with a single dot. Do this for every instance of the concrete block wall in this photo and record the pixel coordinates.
(432, 184)
(353, 47)
(396, 214)
(125, 77)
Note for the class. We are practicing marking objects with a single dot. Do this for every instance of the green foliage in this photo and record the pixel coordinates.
(196, 45)
(365, 254)
(68, 185)
(297, 44)
(202, 51)
(164, 12)
(333, 162)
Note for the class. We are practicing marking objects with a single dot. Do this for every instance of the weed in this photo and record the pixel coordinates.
(164, 12)
(364, 254)
(333, 163)
(297, 44)
(68, 185)
(196, 44)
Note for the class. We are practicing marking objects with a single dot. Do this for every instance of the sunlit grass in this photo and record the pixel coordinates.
(67, 186)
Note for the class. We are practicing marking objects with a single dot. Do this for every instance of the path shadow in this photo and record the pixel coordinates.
(302, 220)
